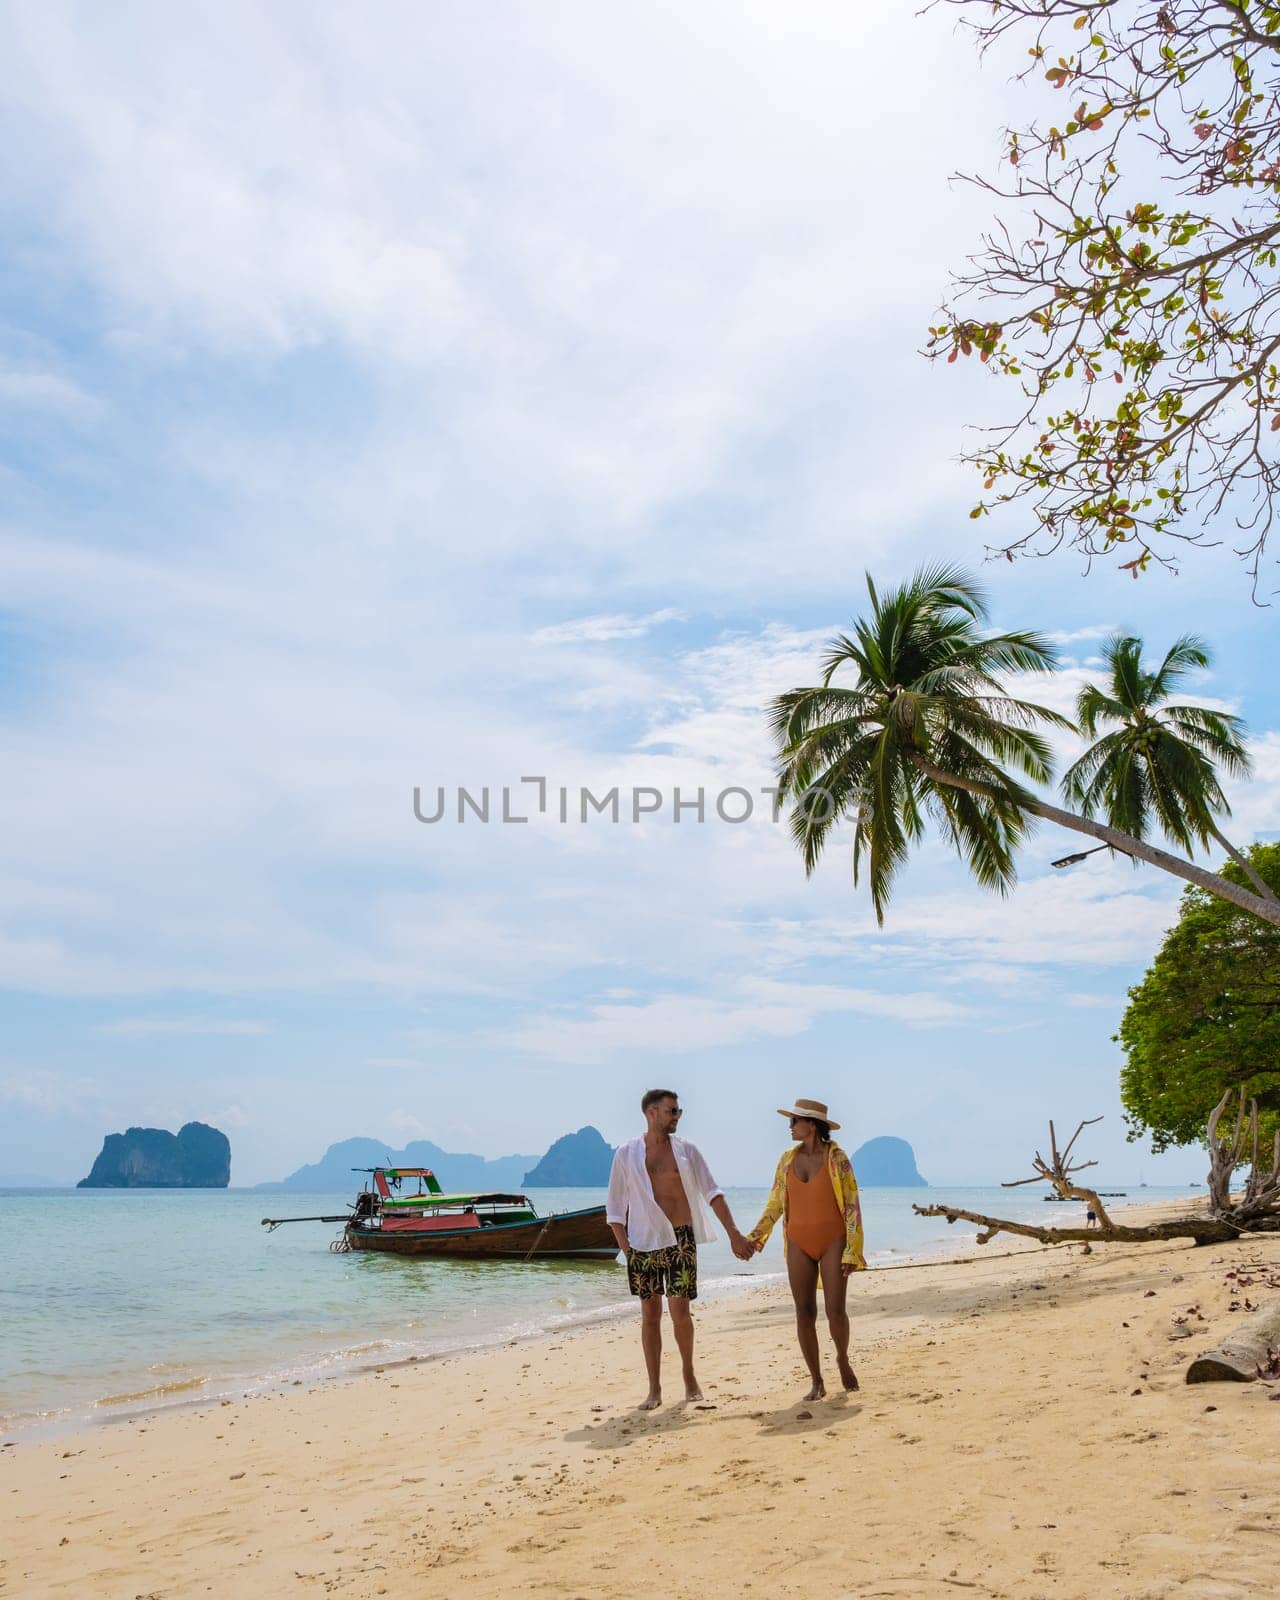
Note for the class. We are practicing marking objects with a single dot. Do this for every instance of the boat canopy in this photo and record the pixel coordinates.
(387, 1178)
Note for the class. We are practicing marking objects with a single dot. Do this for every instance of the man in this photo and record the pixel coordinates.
(659, 1191)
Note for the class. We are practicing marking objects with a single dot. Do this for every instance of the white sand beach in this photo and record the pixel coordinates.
(1023, 1429)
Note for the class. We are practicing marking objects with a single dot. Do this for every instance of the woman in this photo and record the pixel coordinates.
(816, 1195)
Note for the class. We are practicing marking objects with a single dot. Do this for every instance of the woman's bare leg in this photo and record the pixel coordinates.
(834, 1288)
(803, 1274)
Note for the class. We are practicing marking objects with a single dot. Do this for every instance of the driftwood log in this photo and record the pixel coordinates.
(1252, 1349)
(1227, 1217)
(1203, 1229)
(1247, 1353)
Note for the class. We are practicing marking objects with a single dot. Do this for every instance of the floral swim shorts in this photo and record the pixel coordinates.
(673, 1270)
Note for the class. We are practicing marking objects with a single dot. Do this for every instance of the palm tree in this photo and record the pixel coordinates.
(926, 690)
(1160, 761)
(926, 732)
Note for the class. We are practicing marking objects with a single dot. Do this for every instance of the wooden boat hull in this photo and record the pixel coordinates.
(569, 1235)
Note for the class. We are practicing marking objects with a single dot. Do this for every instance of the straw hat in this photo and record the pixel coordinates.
(813, 1109)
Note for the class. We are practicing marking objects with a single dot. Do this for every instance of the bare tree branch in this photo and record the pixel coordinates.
(1257, 1210)
(1058, 1171)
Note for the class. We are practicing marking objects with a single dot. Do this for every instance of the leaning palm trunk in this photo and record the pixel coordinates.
(1210, 882)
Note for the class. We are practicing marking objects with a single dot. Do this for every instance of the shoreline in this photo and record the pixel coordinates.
(342, 1364)
(1023, 1428)
(336, 1364)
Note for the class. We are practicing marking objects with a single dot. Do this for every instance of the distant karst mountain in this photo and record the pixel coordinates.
(333, 1171)
(196, 1157)
(887, 1163)
(575, 1161)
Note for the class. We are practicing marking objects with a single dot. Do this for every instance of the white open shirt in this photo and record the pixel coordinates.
(631, 1201)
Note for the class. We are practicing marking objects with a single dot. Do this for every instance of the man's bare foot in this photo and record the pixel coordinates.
(651, 1401)
(693, 1391)
(818, 1392)
(848, 1377)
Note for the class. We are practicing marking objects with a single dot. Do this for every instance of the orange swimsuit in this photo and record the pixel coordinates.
(814, 1220)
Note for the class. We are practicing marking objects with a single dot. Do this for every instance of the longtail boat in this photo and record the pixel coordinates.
(475, 1227)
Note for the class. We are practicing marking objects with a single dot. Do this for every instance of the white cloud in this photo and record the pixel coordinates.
(599, 630)
(33, 390)
(405, 1125)
(1095, 630)
(232, 1116)
(489, 222)
(684, 1024)
(1255, 802)
(1099, 914)
(51, 1093)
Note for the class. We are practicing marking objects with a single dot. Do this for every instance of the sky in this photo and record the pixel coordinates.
(425, 397)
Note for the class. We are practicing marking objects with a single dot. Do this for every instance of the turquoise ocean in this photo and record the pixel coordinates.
(114, 1302)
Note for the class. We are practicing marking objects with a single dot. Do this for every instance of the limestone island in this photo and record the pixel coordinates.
(575, 1161)
(887, 1163)
(196, 1157)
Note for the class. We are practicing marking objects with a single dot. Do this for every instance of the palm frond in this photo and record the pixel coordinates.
(1080, 782)
(1024, 651)
(842, 651)
(1128, 794)
(1184, 654)
(947, 587)
(1218, 733)
(985, 836)
(1022, 746)
(1122, 657)
(1094, 707)
(886, 831)
(1182, 789)
(792, 716)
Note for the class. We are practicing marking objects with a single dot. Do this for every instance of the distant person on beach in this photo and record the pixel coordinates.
(1091, 1218)
(659, 1190)
(816, 1195)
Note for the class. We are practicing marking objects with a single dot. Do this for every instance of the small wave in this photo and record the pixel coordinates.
(13, 1423)
(159, 1391)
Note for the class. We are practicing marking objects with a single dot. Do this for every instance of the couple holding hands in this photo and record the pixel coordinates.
(660, 1189)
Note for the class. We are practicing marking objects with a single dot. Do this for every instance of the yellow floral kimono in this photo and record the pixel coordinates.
(846, 1187)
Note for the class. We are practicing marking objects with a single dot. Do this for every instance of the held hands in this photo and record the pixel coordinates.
(743, 1247)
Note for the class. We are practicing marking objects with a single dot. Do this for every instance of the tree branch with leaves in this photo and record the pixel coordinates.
(1129, 285)
(1205, 1018)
